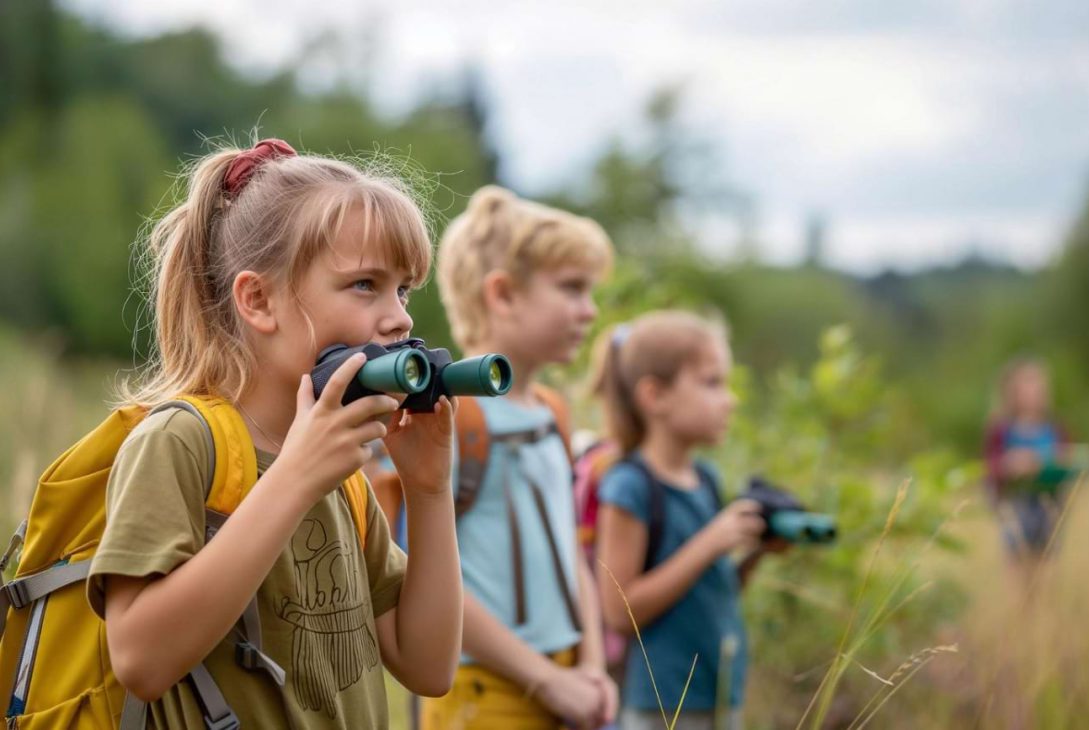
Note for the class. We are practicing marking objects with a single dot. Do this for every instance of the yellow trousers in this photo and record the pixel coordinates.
(483, 700)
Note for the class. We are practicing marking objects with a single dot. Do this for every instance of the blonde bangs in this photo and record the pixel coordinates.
(394, 230)
(565, 240)
(397, 230)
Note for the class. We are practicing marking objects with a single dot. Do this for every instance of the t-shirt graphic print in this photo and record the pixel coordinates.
(332, 644)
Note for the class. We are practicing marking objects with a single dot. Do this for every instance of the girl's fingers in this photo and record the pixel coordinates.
(369, 407)
(369, 431)
(746, 506)
(304, 398)
(333, 395)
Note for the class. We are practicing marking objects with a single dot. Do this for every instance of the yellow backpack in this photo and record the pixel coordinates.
(54, 665)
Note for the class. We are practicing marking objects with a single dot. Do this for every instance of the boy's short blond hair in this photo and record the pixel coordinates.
(500, 231)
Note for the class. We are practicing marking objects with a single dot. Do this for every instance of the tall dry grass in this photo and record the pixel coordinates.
(45, 405)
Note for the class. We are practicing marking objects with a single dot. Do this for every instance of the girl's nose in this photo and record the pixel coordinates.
(395, 323)
(589, 308)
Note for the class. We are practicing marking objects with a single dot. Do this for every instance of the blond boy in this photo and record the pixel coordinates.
(517, 278)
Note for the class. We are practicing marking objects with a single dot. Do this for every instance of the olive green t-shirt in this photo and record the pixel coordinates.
(317, 605)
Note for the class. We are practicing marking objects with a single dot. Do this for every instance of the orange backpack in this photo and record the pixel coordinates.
(54, 666)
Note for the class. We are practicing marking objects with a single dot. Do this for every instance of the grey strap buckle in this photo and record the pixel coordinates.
(13, 545)
(227, 722)
(247, 656)
(17, 594)
(526, 436)
(252, 659)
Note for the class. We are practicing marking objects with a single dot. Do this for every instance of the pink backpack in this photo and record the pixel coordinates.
(590, 468)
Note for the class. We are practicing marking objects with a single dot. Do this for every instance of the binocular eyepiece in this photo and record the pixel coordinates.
(787, 518)
(409, 367)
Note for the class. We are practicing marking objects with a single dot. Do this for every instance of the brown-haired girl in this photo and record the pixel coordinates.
(661, 530)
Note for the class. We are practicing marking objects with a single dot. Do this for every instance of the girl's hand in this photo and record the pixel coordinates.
(421, 447)
(570, 694)
(610, 694)
(327, 441)
(738, 525)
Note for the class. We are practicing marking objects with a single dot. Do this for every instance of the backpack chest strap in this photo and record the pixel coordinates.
(527, 436)
(24, 591)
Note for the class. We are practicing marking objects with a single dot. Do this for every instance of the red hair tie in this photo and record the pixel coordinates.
(243, 166)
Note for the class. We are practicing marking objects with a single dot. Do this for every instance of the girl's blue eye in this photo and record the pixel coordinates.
(403, 292)
(364, 285)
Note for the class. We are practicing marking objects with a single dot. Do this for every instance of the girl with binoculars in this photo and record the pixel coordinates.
(664, 382)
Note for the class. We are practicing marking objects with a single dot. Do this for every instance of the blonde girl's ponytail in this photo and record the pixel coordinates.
(266, 210)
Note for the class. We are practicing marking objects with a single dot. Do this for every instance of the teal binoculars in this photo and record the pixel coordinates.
(787, 518)
(411, 368)
(799, 526)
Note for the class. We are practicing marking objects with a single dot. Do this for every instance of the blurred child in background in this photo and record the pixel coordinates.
(1028, 455)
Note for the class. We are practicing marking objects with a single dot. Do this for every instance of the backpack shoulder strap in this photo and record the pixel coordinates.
(655, 508)
(234, 459)
(474, 441)
(561, 414)
(474, 445)
(709, 481)
(357, 494)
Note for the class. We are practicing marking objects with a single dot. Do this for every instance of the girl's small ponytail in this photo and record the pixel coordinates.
(657, 345)
(622, 419)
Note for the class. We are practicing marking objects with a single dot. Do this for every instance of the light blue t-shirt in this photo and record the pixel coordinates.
(702, 620)
(484, 537)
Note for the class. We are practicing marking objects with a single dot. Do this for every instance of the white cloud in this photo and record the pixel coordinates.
(917, 128)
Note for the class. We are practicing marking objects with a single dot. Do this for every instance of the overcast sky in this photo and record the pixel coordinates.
(921, 131)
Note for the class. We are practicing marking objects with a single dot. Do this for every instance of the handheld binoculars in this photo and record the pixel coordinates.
(409, 367)
(1052, 475)
(1050, 479)
(787, 518)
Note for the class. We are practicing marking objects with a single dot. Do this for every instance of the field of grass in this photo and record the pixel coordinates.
(893, 631)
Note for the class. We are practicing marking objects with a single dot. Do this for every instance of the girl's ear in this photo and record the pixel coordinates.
(498, 292)
(649, 394)
(250, 292)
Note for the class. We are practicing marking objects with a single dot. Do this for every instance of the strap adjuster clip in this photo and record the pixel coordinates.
(246, 655)
(227, 722)
(17, 594)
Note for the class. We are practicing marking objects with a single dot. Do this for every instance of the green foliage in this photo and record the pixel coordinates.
(834, 436)
(92, 127)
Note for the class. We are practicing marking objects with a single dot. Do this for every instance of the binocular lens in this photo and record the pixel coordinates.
(413, 374)
(404, 371)
(495, 375)
(486, 375)
(798, 526)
